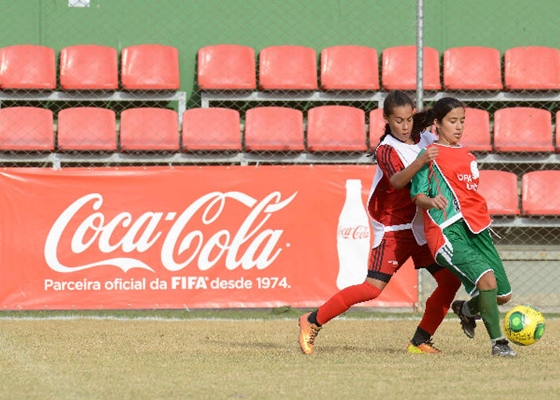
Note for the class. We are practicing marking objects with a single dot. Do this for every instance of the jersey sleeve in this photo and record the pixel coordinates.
(388, 160)
(420, 183)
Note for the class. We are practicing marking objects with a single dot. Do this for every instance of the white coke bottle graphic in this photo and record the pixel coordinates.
(353, 235)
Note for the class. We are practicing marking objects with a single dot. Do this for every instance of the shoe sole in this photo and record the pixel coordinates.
(411, 349)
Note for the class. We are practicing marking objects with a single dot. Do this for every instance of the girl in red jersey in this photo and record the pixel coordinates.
(456, 220)
(392, 213)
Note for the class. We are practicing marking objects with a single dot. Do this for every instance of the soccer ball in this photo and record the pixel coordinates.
(524, 325)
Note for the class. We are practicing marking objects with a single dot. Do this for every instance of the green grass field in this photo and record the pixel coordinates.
(253, 354)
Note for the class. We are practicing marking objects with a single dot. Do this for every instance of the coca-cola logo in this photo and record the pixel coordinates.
(181, 244)
(354, 232)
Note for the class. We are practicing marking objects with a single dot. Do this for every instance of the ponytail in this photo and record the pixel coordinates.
(422, 120)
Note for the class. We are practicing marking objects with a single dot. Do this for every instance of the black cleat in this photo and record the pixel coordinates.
(467, 323)
(502, 349)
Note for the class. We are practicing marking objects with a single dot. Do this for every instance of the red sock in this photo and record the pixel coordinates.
(345, 299)
(440, 300)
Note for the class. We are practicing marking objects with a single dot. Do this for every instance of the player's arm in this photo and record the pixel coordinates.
(425, 202)
(403, 177)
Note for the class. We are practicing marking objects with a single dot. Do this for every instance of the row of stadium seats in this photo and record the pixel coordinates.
(90, 67)
(356, 68)
(157, 129)
(150, 129)
(288, 67)
(539, 192)
(329, 128)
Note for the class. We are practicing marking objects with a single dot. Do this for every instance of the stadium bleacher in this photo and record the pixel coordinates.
(500, 188)
(287, 68)
(226, 67)
(29, 67)
(26, 129)
(349, 67)
(531, 68)
(510, 134)
(89, 67)
(472, 68)
(149, 129)
(90, 129)
(89, 73)
(336, 128)
(150, 67)
(213, 129)
(540, 192)
(398, 68)
(274, 129)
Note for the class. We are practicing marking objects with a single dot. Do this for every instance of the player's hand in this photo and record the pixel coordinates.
(439, 202)
(429, 155)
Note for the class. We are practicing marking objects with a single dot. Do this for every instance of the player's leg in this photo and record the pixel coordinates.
(455, 257)
(485, 245)
(490, 299)
(379, 274)
(465, 256)
(437, 306)
(491, 315)
(380, 271)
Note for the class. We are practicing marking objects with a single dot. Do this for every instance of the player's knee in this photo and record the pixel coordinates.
(487, 281)
(504, 299)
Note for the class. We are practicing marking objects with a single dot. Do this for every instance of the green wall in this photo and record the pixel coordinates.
(191, 24)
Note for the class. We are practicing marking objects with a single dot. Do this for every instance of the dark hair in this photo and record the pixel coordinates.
(393, 100)
(440, 109)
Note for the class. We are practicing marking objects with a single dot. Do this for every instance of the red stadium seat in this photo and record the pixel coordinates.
(557, 146)
(87, 129)
(211, 129)
(274, 129)
(227, 67)
(149, 129)
(26, 129)
(519, 129)
(349, 68)
(500, 189)
(540, 192)
(336, 128)
(89, 67)
(27, 67)
(288, 68)
(476, 135)
(150, 67)
(532, 68)
(398, 68)
(376, 127)
(472, 68)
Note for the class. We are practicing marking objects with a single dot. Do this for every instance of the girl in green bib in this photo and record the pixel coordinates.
(456, 221)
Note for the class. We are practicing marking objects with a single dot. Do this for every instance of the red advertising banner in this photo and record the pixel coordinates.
(186, 237)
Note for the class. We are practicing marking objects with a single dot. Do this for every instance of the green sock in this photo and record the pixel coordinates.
(474, 306)
(490, 313)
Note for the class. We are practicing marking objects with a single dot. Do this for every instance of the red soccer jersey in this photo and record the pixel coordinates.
(388, 205)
